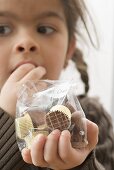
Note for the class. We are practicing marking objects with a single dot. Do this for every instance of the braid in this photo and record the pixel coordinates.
(76, 12)
(82, 68)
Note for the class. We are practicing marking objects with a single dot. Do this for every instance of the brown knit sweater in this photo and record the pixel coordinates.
(101, 159)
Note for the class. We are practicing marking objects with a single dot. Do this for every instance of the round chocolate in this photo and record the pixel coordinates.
(62, 109)
(57, 120)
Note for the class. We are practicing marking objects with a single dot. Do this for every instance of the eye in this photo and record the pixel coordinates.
(45, 30)
(4, 30)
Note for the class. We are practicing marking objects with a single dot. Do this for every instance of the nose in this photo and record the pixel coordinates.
(26, 48)
(26, 44)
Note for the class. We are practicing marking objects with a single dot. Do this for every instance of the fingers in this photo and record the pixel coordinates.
(26, 156)
(35, 74)
(44, 152)
(51, 149)
(37, 151)
(21, 72)
(64, 145)
(92, 134)
(27, 72)
(70, 156)
(77, 156)
(55, 150)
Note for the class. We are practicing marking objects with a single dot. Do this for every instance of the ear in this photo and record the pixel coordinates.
(71, 48)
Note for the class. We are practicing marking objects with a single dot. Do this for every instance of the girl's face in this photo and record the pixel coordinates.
(33, 31)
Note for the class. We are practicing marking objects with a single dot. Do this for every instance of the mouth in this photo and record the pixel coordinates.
(24, 62)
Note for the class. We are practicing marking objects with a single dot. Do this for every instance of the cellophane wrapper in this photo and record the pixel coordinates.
(46, 105)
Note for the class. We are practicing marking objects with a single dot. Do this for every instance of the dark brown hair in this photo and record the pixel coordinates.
(76, 10)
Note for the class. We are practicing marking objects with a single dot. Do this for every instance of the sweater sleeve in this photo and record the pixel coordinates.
(103, 156)
(90, 163)
(10, 156)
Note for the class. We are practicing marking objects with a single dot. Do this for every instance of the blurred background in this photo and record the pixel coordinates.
(101, 62)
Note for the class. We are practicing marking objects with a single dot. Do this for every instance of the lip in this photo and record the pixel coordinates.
(24, 62)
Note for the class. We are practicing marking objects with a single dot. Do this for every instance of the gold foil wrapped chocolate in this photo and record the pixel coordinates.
(23, 125)
(26, 131)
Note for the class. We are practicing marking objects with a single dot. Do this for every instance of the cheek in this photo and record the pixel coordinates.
(4, 52)
(54, 66)
(54, 59)
(4, 58)
(3, 73)
(3, 77)
(4, 66)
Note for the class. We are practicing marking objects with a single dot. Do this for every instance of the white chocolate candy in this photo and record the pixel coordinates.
(23, 125)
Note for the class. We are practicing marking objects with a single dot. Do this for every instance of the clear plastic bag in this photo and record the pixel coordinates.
(46, 105)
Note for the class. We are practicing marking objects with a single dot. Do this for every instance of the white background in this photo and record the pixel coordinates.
(102, 81)
(101, 62)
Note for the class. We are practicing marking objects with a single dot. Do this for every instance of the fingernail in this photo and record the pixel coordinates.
(39, 138)
(56, 131)
(42, 69)
(65, 133)
(28, 65)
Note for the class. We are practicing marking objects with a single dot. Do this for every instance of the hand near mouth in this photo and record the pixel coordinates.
(21, 75)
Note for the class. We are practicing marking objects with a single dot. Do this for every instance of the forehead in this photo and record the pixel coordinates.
(30, 8)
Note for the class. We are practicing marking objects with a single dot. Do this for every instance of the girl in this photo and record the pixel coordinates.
(37, 39)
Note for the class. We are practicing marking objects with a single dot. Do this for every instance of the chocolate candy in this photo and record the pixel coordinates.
(59, 117)
(23, 125)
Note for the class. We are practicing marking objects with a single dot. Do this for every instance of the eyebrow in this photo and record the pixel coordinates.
(51, 14)
(47, 14)
(7, 14)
